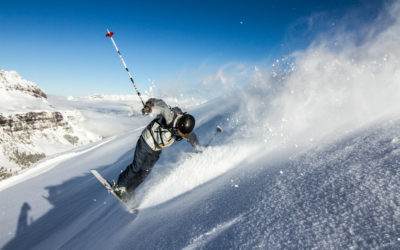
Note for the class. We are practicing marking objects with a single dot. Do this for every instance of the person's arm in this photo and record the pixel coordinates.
(192, 139)
(159, 105)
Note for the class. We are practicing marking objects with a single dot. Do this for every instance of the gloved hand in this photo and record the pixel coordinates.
(146, 109)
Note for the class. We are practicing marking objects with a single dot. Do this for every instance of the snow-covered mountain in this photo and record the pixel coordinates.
(31, 128)
(20, 95)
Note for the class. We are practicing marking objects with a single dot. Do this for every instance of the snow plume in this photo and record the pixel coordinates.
(228, 76)
(335, 85)
(310, 96)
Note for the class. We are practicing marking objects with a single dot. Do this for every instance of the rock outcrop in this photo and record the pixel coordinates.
(30, 128)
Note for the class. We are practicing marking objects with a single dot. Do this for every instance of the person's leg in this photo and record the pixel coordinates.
(144, 160)
(150, 159)
(137, 179)
(129, 172)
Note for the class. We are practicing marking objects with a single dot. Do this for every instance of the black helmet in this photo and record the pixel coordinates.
(186, 124)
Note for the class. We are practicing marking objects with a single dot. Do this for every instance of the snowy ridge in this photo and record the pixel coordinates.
(31, 128)
(19, 95)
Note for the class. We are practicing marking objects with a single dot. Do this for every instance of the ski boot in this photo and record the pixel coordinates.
(119, 191)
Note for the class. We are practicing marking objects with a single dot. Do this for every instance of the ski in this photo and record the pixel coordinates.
(107, 185)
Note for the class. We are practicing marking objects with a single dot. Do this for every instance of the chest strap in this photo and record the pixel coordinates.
(149, 127)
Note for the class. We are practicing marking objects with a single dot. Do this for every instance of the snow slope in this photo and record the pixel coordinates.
(342, 194)
(309, 158)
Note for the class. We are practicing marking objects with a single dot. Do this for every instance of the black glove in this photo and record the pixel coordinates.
(146, 110)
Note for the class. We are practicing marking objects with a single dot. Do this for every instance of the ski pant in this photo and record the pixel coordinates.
(143, 161)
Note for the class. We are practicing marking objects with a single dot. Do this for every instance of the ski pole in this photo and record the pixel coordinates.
(218, 130)
(110, 34)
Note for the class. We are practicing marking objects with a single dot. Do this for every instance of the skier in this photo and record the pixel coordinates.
(170, 125)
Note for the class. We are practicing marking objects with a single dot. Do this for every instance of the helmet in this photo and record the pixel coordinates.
(186, 124)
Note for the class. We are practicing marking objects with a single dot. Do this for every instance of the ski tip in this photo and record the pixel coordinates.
(94, 172)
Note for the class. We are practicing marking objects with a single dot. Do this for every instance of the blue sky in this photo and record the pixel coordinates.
(61, 45)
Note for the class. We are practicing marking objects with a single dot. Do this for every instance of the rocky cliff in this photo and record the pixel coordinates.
(30, 128)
